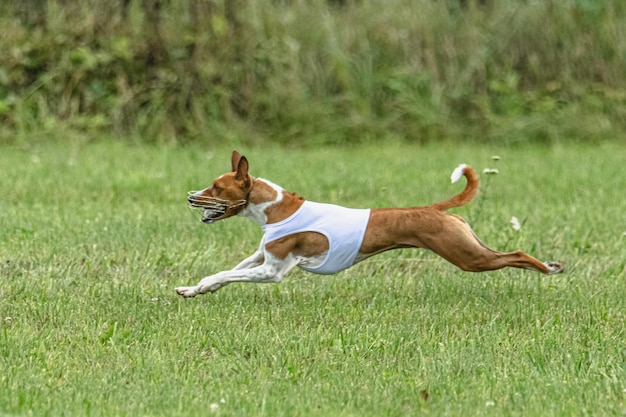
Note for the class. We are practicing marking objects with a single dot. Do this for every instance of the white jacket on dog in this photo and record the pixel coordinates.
(343, 227)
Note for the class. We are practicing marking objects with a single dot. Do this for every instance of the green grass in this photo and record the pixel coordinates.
(93, 239)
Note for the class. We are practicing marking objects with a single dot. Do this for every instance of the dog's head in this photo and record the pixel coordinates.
(228, 195)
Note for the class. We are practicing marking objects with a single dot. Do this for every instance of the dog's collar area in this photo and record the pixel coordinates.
(247, 200)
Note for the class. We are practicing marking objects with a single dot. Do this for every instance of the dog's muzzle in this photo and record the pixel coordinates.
(213, 209)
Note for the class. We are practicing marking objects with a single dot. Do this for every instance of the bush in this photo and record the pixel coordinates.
(314, 72)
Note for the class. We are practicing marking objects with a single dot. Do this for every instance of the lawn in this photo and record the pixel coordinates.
(95, 237)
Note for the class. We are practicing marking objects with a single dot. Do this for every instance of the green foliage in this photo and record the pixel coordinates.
(94, 239)
(315, 72)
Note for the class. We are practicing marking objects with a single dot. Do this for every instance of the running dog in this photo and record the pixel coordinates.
(326, 238)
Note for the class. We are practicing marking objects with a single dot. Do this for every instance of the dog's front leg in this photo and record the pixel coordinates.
(272, 270)
(255, 259)
(252, 261)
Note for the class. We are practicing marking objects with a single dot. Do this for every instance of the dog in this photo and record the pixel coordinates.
(326, 238)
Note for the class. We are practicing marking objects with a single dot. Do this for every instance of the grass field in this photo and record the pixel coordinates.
(94, 238)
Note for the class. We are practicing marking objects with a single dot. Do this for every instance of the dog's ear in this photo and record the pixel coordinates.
(241, 173)
(234, 160)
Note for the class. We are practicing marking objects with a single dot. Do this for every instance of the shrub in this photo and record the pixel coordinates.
(311, 72)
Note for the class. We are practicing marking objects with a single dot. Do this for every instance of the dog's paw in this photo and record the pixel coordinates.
(187, 291)
(554, 267)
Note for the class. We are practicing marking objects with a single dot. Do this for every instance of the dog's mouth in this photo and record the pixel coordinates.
(212, 208)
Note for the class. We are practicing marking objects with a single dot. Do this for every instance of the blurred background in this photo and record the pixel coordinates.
(313, 72)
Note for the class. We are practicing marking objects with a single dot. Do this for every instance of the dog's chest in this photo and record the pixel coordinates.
(343, 227)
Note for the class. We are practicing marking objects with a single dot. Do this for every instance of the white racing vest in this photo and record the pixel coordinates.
(343, 227)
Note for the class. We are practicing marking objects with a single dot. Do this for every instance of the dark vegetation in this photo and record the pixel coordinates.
(313, 72)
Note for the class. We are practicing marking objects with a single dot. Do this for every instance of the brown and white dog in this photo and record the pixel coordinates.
(325, 238)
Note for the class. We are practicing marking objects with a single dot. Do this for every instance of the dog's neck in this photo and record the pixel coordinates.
(270, 203)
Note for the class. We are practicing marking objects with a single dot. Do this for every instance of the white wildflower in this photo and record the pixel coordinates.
(490, 171)
(515, 223)
(490, 403)
(213, 407)
(496, 157)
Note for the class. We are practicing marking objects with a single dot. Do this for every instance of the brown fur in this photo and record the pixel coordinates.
(428, 227)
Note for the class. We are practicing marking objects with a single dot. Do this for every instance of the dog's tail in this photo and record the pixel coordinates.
(465, 196)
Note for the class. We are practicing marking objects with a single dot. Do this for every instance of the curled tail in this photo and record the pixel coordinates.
(467, 194)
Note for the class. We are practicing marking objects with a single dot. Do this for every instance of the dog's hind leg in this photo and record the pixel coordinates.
(489, 260)
(465, 250)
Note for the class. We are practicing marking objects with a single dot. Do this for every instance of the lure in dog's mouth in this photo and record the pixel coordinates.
(212, 208)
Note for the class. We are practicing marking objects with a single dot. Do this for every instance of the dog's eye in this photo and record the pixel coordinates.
(216, 187)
